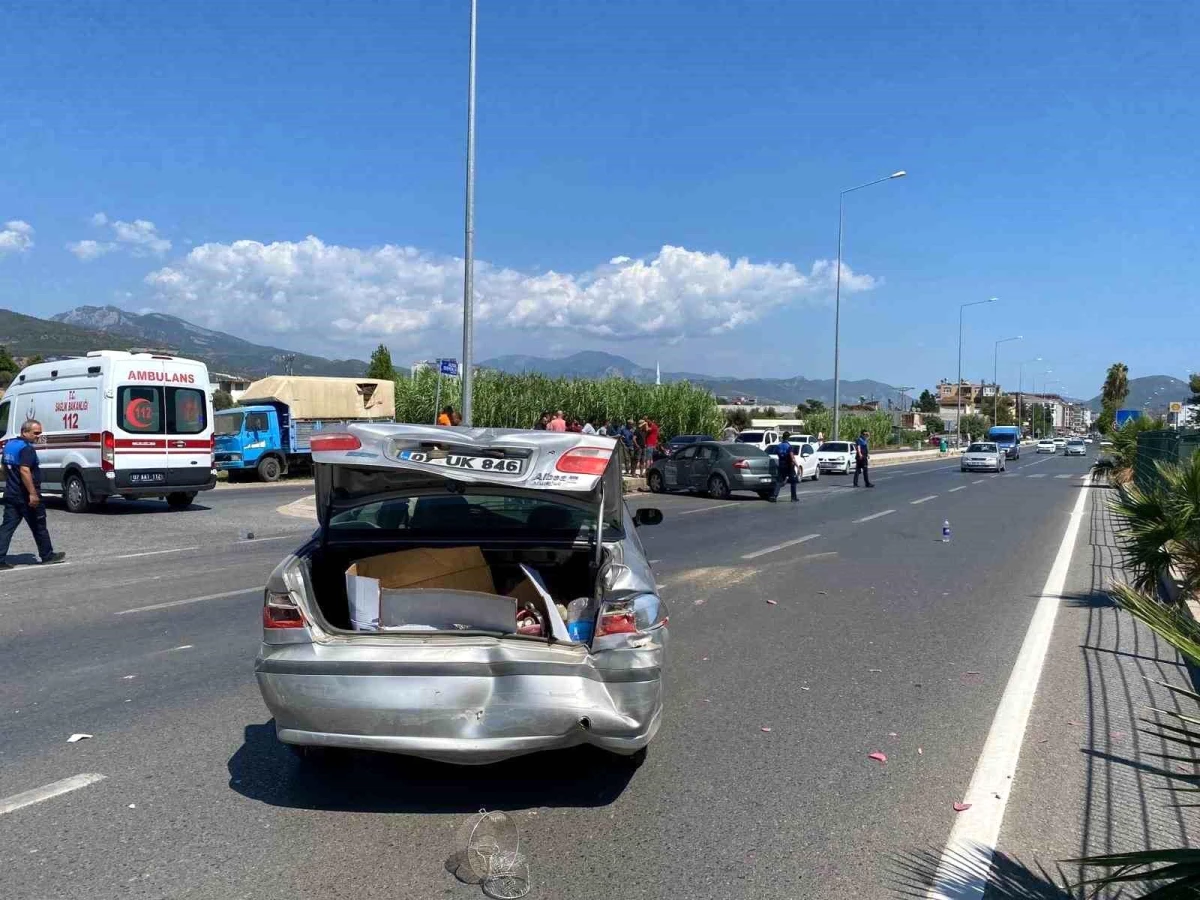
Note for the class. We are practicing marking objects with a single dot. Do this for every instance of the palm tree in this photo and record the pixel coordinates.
(1163, 525)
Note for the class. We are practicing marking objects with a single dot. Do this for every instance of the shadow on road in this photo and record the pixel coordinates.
(263, 769)
(1006, 877)
(118, 507)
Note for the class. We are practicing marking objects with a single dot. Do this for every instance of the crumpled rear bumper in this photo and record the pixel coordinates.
(471, 705)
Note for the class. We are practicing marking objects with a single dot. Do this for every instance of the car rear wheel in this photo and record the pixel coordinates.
(654, 481)
(180, 499)
(717, 488)
(75, 494)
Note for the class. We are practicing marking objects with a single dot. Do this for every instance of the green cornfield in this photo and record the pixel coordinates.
(502, 400)
(877, 424)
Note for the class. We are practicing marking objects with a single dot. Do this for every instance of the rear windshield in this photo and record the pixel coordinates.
(982, 448)
(835, 447)
(749, 437)
(140, 410)
(747, 452)
(468, 514)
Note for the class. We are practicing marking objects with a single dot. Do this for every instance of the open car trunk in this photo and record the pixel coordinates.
(466, 588)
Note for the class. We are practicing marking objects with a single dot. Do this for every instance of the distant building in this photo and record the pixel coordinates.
(234, 385)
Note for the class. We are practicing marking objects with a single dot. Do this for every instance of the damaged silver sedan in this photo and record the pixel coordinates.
(470, 595)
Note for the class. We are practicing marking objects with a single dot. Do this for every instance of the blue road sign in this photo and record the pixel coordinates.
(448, 366)
(1127, 415)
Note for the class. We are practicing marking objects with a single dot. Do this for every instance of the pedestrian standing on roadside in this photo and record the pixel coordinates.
(602, 428)
(455, 419)
(558, 423)
(542, 422)
(651, 441)
(626, 434)
(862, 455)
(444, 417)
(787, 467)
(641, 446)
(729, 435)
(23, 494)
(589, 426)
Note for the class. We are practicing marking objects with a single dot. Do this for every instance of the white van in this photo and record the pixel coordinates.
(117, 424)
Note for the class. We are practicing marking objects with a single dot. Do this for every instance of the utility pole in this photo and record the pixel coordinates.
(468, 374)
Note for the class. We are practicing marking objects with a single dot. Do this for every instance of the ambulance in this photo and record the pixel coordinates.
(117, 424)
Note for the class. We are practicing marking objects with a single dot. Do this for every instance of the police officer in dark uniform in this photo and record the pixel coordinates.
(22, 494)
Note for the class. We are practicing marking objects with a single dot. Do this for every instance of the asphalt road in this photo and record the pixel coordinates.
(882, 638)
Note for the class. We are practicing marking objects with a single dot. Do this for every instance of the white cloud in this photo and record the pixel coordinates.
(139, 238)
(89, 250)
(16, 237)
(356, 296)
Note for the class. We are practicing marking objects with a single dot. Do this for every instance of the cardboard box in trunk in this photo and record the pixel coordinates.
(442, 589)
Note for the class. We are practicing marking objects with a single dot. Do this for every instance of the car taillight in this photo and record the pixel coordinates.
(108, 452)
(584, 461)
(340, 441)
(741, 463)
(279, 611)
(635, 615)
(616, 621)
(212, 443)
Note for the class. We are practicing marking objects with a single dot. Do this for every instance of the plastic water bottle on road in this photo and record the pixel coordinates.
(946, 532)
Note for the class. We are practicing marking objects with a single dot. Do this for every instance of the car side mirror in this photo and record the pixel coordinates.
(647, 516)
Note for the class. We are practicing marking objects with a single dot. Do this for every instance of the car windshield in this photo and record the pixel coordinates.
(835, 447)
(749, 437)
(477, 514)
(228, 422)
(982, 448)
(1075, 443)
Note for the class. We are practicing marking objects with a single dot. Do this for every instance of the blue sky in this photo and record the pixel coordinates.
(629, 155)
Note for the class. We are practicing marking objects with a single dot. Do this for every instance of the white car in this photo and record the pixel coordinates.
(758, 437)
(806, 458)
(836, 456)
(985, 456)
(1075, 447)
(1046, 446)
(1087, 440)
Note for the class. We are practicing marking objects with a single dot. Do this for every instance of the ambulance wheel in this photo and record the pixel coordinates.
(180, 500)
(268, 469)
(75, 494)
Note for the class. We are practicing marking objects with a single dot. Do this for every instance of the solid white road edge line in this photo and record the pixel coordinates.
(688, 512)
(783, 546)
(977, 829)
(155, 552)
(168, 604)
(46, 792)
(878, 515)
(961, 487)
(924, 500)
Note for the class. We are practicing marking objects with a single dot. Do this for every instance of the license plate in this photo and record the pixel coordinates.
(148, 478)
(766, 479)
(462, 461)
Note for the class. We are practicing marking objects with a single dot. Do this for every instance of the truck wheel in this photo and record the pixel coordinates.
(75, 494)
(180, 499)
(268, 469)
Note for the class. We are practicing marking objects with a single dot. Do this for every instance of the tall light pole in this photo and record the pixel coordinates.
(958, 387)
(837, 301)
(995, 377)
(468, 376)
(1046, 406)
(1021, 386)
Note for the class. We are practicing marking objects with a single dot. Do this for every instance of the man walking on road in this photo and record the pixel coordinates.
(22, 494)
(862, 456)
(787, 468)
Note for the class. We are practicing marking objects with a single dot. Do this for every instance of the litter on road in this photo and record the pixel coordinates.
(961, 807)
(76, 738)
(877, 756)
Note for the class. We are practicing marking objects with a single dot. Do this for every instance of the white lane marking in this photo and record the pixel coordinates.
(181, 647)
(961, 487)
(46, 792)
(783, 546)
(1038, 475)
(878, 515)
(169, 603)
(1062, 476)
(924, 500)
(980, 481)
(977, 829)
(37, 567)
(155, 552)
(688, 512)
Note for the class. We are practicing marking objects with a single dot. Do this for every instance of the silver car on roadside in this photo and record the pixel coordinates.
(453, 675)
(983, 456)
(715, 468)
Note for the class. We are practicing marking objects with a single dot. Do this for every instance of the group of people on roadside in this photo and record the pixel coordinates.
(637, 440)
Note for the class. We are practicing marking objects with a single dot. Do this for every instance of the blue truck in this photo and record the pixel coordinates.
(1007, 438)
(267, 434)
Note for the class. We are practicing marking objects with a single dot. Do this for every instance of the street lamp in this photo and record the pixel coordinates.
(958, 387)
(1021, 386)
(995, 375)
(468, 377)
(837, 299)
(1045, 387)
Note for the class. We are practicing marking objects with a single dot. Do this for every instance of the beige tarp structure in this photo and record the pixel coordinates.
(326, 398)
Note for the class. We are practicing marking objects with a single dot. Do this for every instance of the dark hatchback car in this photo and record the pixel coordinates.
(715, 468)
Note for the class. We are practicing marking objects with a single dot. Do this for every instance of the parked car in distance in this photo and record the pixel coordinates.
(836, 456)
(806, 459)
(715, 468)
(1087, 440)
(1075, 447)
(758, 437)
(983, 456)
(1060, 442)
(423, 616)
(1045, 445)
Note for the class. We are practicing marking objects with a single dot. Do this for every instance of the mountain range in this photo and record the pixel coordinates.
(1155, 390)
(110, 328)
